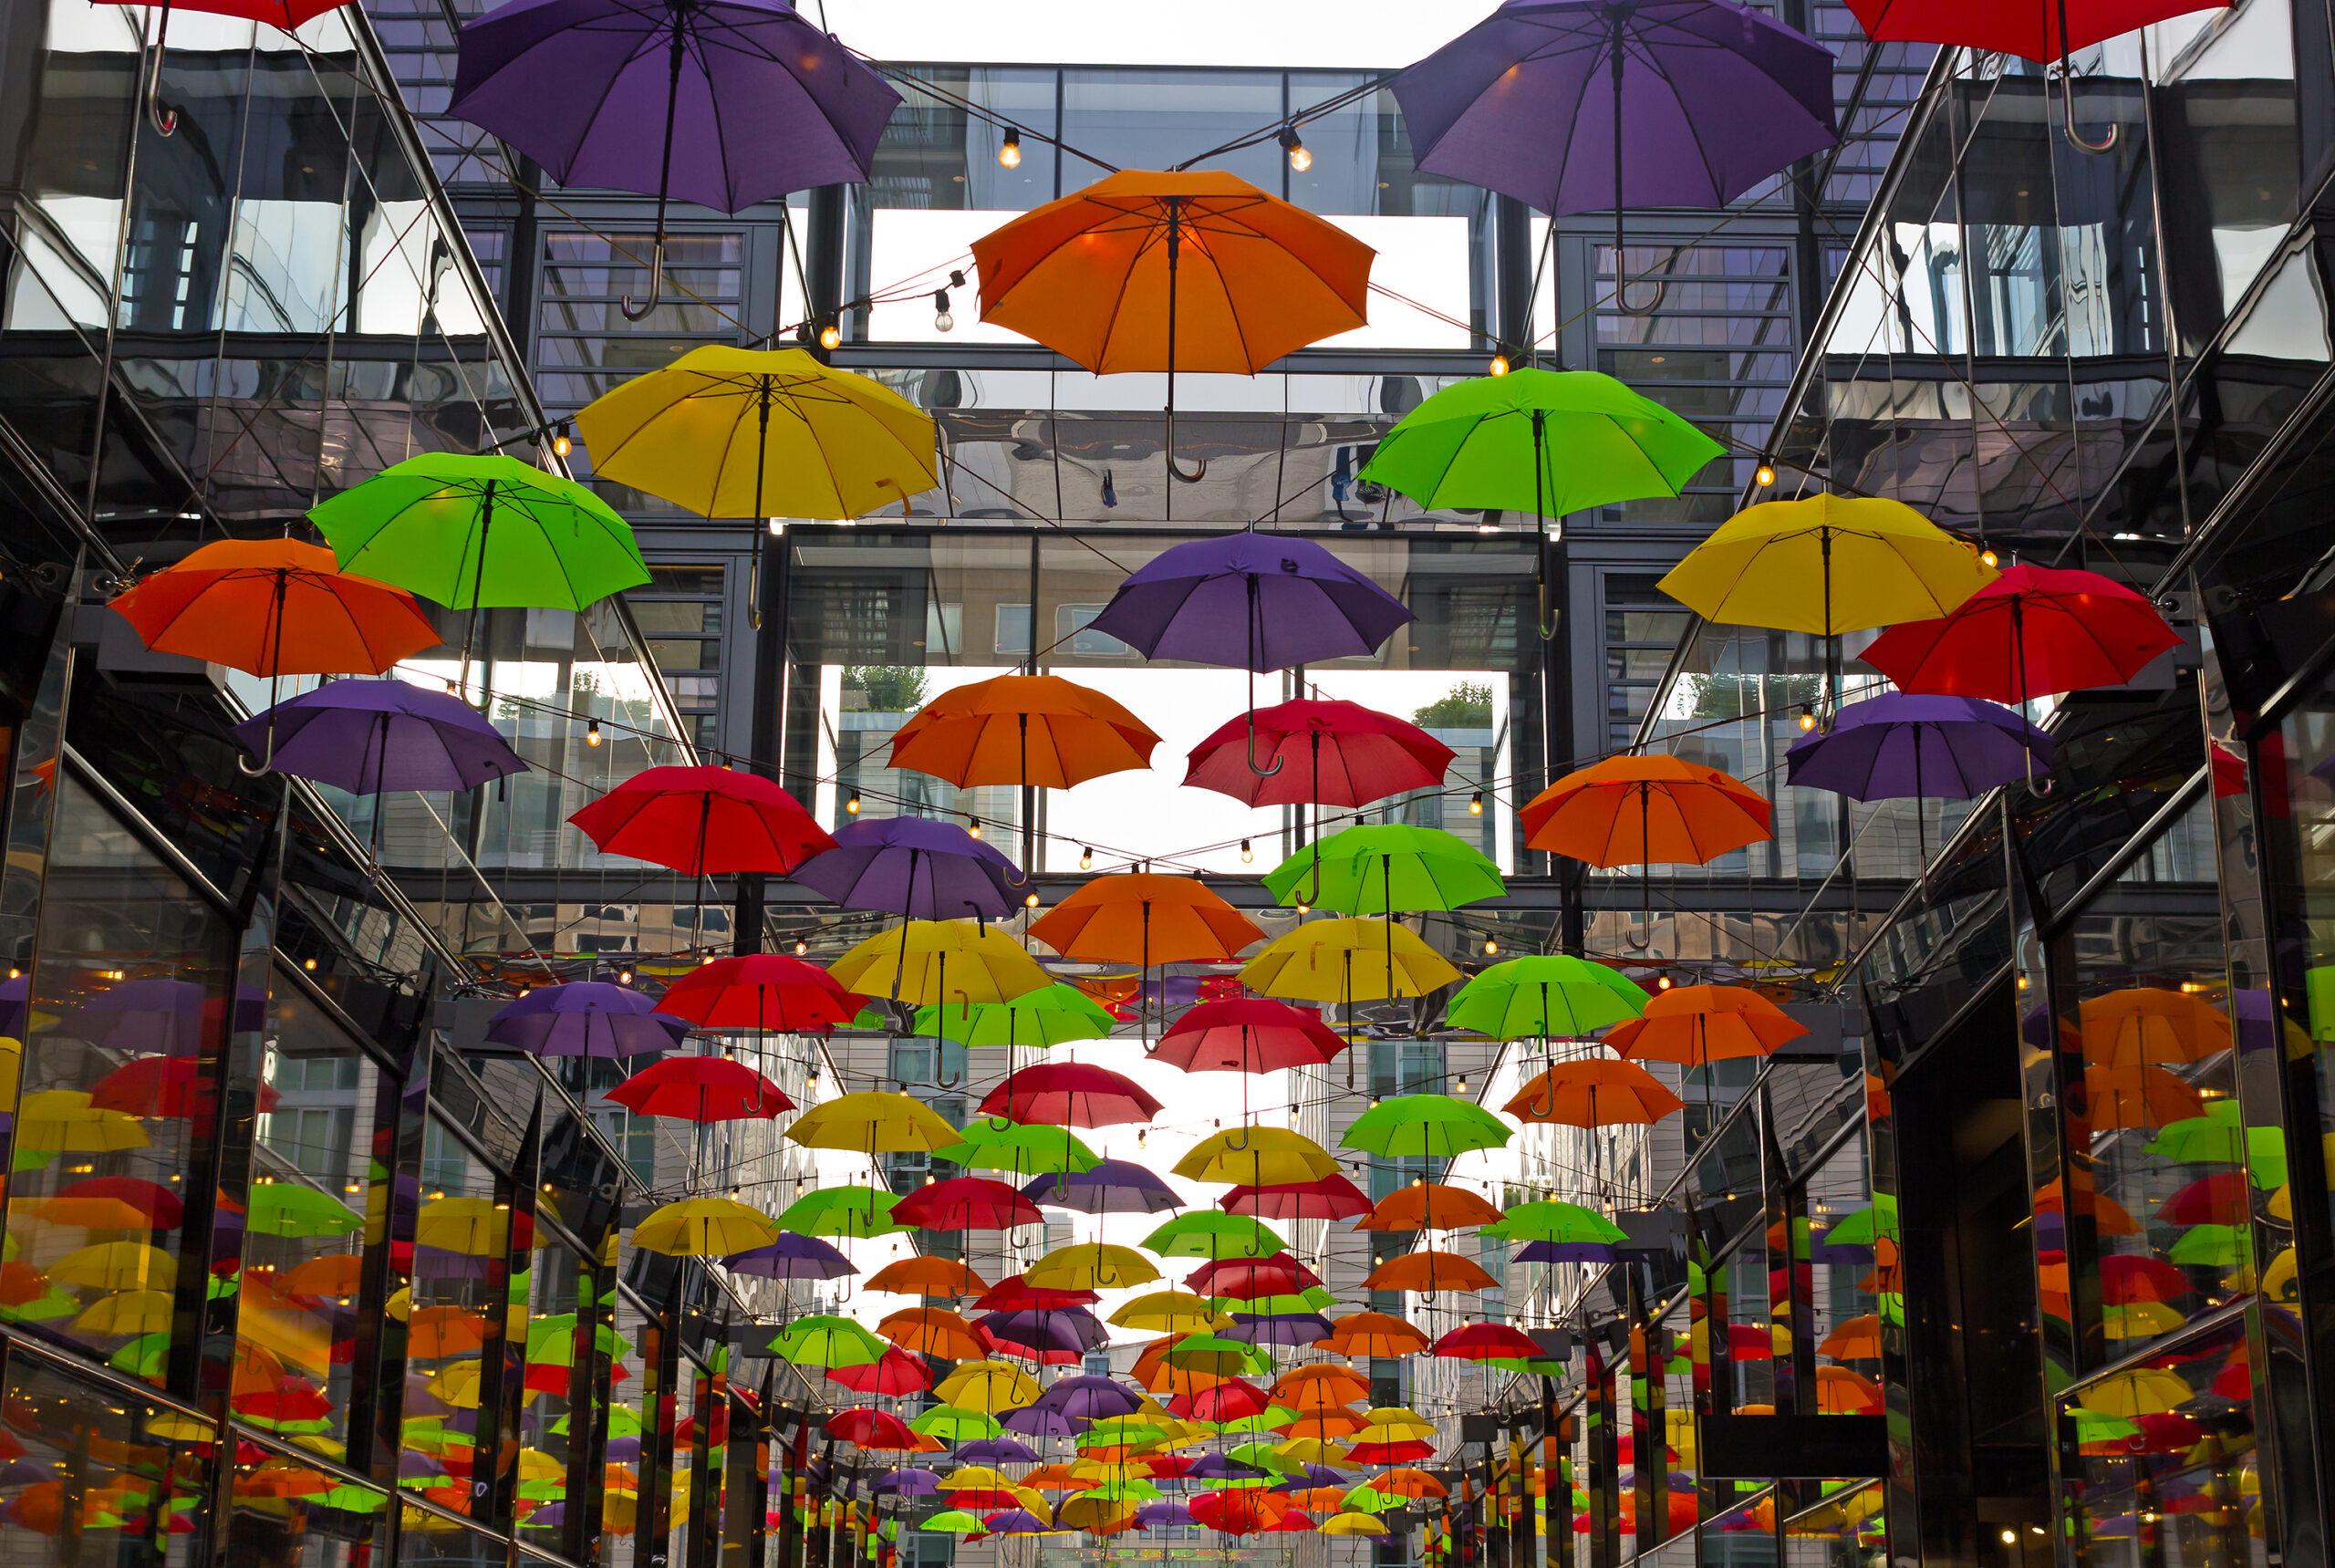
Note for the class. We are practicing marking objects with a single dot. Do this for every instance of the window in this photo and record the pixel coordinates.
(679, 613)
(1642, 625)
(585, 345)
(923, 1063)
(1013, 628)
(1070, 631)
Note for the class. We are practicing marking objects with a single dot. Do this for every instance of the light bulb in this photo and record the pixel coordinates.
(1991, 559)
(592, 733)
(1662, 984)
(830, 335)
(1009, 151)
(1032, 902)
(943, 320)
(1304, 909)
(852, 806)
(975, 829)
(1085, 858)
(560, 444)
(1491, 944)
(1247, 853)
(623, 977)
(1763, 476)
(1476, 804)
(1463, 1083)
(1498, 367)
(1807, 720)
(802, 947)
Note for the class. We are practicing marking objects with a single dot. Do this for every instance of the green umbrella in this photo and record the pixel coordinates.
(994, 1145)
(144, 1356)
(289, 1208)
(1544, 995)
(353, 1499)
(550, 1341)
(1376, 870)
(1554, 1219)
(2220, 1136)
(954, 1424)
(1434, 1125)
(954, 1521)
(1133, 1489)
(624, 1421)
(1213, 1233)
(842, 1211)
(1213, 1353)
(1289, 1305)
(1050, 1015)
(2206, 1246)
(826, 1340)
(1263, 1457)
(1271, 1419)
(1120, 1431)
(1546, 441)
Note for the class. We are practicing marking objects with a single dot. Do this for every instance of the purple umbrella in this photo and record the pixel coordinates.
(586, 1018)
(1162, 1513)
(754, 101)
(623, 1450)
(1908, 746)
(792, 1257)
(1220, 1466)
(1060, 1328)
(995, 1451)
(413, 1465)
(1540, 101)
(916, 867)
(369, 736)
(163, 1017)
(1040, 1421)
(1286, 1328)
(912, 1482)
(1089, 1398)
(1564, 1253)
(1017, 1521)
(1309, 1475)
(1112, 1187)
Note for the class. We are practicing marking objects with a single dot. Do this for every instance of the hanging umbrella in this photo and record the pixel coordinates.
(1543, 994)
(997, 1451)
(1144, 918)
(2137, 1096)
(702, 1089)
(2031, 632)
(965, 1203)
(1326, 1198)
(274, 607)
(1057, 1337)
(915, 865)
(65, 1121)
(1098, 275)
(1024, 1150)
(1574, 106)
(874, 1122)
(1322, 750)
(1695, 1025)
(143, 1203)
(987, 1386)
(1110, 1186)
(754, 101)
(761, 991)
(1347, 961)
(1257, 1155)
(1902, 747)
(1036, 730)
(1254, 1034)
(912, 1480)
(1376, 868)
(173, 1086)
(1435, 1125)
(1428, 1270)
(897, 1373)
(790, 1257)
(585, 1018)
(825, 1339)
(1209, 1233)
(1594, 1092)
(931, 1277)
(1168, 1312)
(1015, 1294)
(703, 820)
(930, 1331)
(1429, 1206)
(860, 1211)
(1584, 439)
(940, 963)
(865, 1428)
(1050, 1016)
(1070, 1093)
(371, 736)
(2152, 1024)
(1092, 1267)
(704, 1228)
(290, 1209)
(1632, 810)
(1483, 1342)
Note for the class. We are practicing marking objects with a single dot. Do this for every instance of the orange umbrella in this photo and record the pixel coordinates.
(2138, 1097)
(436, 1330)
(1695, 1025)
(2109, 1216)
(1431, 1205)
(1427, 1270)
(337, 1275)
(276, 607)
(930, 1331)
(928, 1276)
(1142, 918)
(1321, 1387)
(1405, 1481)
(1100, 275)
(1327, 1426)
(1857, 1339)
(1374, 1333)
(1840, 1392)
(1594, 1092)
(2146, 1024)
(1319, 1498)
(1635, 810)
(1053, 1477)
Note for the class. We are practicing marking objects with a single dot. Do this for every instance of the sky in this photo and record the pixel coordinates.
(1354, 34)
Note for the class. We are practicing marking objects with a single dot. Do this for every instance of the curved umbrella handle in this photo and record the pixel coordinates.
(656, 284)
(1175, 471)
(1279, 763)
(1548, 627)
(267, 759)
(2068, 114)
(1248, 1137)
(165, 122)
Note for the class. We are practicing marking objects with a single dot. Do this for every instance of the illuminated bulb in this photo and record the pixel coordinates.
(1498, 367)
(560, 444)
(1085, 858)
(1476, 804)
(930, 1178)
(1491, 944)
(1763, 476)
(1991, 559)
(798, 1187)
(830, 335)
(1247, 853)
(1807, 720)
(1299, 158)
(1374, 1101)
(1139, 1137)
(976, 829)
(1009, 151)
(592, 733)
(1304, 909)
(1032, 902)
(852, 806)
(802, 947)
(1662, 984)
(624, 978)
(733, 1194)
(307, 963)
(1463, 1083)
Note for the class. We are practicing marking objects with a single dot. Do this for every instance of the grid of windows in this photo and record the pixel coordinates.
(679, 614)
(1642, 625)
(418, 36)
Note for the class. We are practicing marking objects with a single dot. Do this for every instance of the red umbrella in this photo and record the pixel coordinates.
(1400, 1453)
(1166, 1467)
(290, 1399)
(1230, 1400)
(1246, 1279)
(1258, 1035)
(1330, 1198)
(1748, 1342)
(703, 820)
(1296, 1519)
(701, 1089)
(761, 991)
(1325, 752)
(160, 1086)
(1011, 1294)
(1482, 1340)
(158, 1202)
(897, 1372)
(2218, 1200)
(869, 1429)
(2128, 1277)
(1241, 1512)
(967, 1203)
(2229, 771)
(1072, 1095)
(2032, 631)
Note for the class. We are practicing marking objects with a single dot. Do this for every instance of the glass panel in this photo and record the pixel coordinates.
(290, 1515)
(461, 1233)
(121, 1481)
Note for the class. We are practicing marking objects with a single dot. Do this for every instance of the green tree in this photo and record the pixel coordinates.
(1467, 706)
(890, 688)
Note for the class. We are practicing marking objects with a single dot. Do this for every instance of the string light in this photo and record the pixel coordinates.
(1031, 902)
(1663, 983)
(1807, 720)
(1763, 476)
(976, 829)
(1991, 559)
(1491, 945)
(592, 733)
(623, 977)
(1498, 367)
(562, 441)
(1085, 858)
(943, 319)
(1009, 151)
(852, 806)
(830, 335)
(1463, 1083)
(1247, 853)
(1476, 804)
(802, 947)
(1299, 158)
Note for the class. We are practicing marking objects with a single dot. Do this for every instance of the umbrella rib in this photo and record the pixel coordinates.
(1701, 151)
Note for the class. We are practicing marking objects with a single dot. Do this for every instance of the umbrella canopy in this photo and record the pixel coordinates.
(824, 1339)
(761, 991)
(919, 867)
(1375, 868)
(2152, 1025)
(704, 1228)
(1254, 1034)
(790, 1257)
(936, 962)
(703, 820)
(702, 1089)
(1543, 994)
(1110, 1186)
(987, 1386)
(930, 1331)
(1429, 1206)
(1049, 1016)
(1483, 1341)
(1347, 961)
(586, 1018)
(368, 736)
(1321, 750)
(1428, 1270)
(1096, 1266)
(1036, 730)
(1594, 1092)
(1015, 1294)
(1070, 1093)
(1434, 1125)
(928, 1276)
(1825, 565)
(1695, 1025)
(275, 606)
(1325, 1197)
(1899, 746)
(895, 1372)
(1257, 1155)
(847, 1211)
(473, 531)
(2031, 632)
(965, 1203)
(2138, 1097)
(992, 1145)
(1209, 1233)
(1251, 601)
(2013, 26)
(1146, 918)
(1632, 810)
(874, 1122)
(1168, 1312)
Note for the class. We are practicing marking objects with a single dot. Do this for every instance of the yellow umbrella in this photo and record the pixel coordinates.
(704, 1228)
(1350, 1524)
(934, 963)
(62, 1121)
(1401, 1419)
(2148, 1391)
(1169, 1311)
(1313, 1452)
(1095, 1513)
(1825, 565)
(733, 432)
(873, 1121)
(471, 1226)
(977, 1478)
(117, 1266)
(1257, 1157)
(1347, 959)
(457, 1384)
(987, 1386)
(1097, 1267)
(129, 1313)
